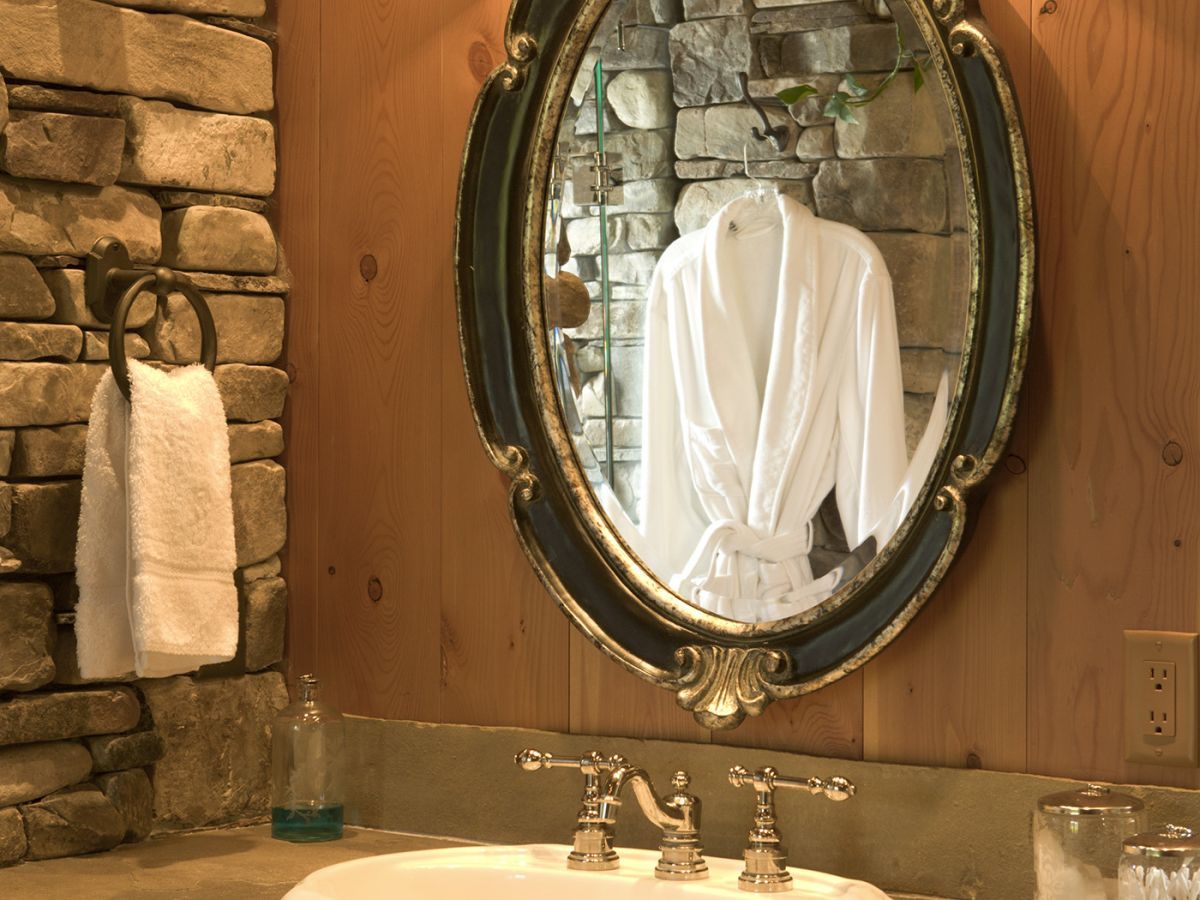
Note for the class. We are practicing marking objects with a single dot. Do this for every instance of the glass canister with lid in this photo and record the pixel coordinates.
(1077, 841)
(1161, 865)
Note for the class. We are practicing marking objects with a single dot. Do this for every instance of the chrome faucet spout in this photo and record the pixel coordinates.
(663, 814)
(677, 816)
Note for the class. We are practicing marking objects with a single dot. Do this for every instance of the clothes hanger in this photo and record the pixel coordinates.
(760, 194)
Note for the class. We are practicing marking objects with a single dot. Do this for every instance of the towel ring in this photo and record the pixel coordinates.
(109, 269)
(165, 281)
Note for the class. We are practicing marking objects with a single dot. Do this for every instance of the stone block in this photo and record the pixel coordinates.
(641, 98)
(632, 268)
(627, 433)
(708, 169)
(49, 219)
(81, 820)
(4, 104)
(929, 285)
(810, 17)
(23, 294)
(8, 440)
(62, 147)
(240, 284)
(706, 57)
(124, 51)
(723, 132)
(250, 393)
(12, 836)
(266, 622)
(182, 199)
(883, 194)
(256, 440)
(45, 517)
(815, 143)
(923, 369)
(218, 239)
(70, 302)
(26, 639)
(133, 796)
(246, 9)
(259, 510)
(170, 147)
(25, 341)
(31, 771)
(268, 568)
(33, 718)
(644, 154)
(917, 410)
(113, 752)
(854, 48)
(38, 393)
(899, 122)
(781, 168)
(216, 769)
(48, 99)
(95, 346)
(706, 9)
(701, 200)
(249, 328)
(47, 452)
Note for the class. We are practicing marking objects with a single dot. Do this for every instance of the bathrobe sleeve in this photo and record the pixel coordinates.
(872, 454)
(669, 519)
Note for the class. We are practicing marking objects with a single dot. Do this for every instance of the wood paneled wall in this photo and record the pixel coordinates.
(1091, 526)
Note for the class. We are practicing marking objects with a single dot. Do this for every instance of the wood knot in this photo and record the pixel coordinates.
(479, 61)
(1015, 464)
(368, 267)
(1172, 453)
(374, 589)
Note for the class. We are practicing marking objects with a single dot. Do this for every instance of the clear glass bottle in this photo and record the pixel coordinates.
(306, 769)
(1162, 865)
(1077, 839)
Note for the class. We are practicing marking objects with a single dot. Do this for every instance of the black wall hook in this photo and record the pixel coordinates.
(776, 134)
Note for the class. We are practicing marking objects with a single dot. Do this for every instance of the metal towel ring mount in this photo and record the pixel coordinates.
(110, 270)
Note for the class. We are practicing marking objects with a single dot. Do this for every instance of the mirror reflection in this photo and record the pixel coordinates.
(756, 285)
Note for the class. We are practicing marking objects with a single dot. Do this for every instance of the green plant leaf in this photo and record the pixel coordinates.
(796, 94)
(918, 78)
(857, 88)
(838, 108)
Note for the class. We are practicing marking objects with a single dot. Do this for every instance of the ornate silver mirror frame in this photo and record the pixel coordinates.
(719, 669)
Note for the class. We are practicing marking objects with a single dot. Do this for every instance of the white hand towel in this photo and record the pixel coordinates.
(155, 556)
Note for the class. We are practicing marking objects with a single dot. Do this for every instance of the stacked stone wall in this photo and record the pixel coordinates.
(148, 120)
(895, 174)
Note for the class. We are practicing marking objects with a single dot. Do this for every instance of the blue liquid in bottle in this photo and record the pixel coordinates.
(306, 769)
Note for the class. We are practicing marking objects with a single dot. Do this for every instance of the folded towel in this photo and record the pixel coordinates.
(155, 556)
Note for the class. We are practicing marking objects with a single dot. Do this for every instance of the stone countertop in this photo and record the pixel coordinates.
(230, 864)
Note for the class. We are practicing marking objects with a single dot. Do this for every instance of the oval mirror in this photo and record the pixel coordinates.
(745, 290)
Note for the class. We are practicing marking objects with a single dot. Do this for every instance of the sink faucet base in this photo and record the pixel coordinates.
(766, 871)
(593, 850)
(682, 858)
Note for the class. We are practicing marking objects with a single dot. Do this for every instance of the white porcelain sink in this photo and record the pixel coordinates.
(539, 871)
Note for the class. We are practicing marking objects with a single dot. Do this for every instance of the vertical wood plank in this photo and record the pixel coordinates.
(607, 700)
(498, 626)
(827, 723)
(1113, 543)
(298, 88)
(385, 220)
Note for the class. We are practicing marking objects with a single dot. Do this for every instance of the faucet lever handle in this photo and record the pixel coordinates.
(766, 780)
(591, 763)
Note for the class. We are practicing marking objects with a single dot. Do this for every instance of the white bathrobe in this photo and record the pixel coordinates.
(772, 374)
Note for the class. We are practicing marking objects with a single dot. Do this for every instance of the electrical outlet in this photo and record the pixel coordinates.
(1160, 698)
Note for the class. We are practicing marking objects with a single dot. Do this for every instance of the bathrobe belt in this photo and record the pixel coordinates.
(760, 572)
